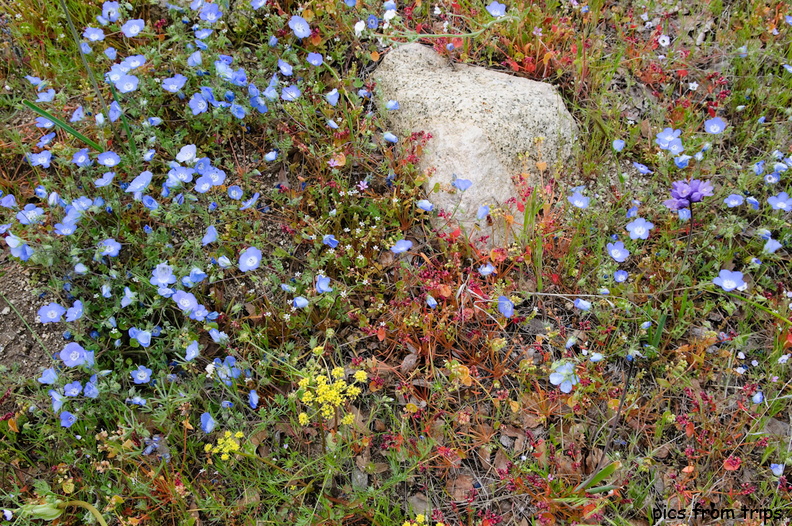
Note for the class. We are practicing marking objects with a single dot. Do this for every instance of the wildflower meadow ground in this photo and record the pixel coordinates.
(258, 319)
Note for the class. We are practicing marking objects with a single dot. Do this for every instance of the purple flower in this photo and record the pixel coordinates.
(685, 193)
(174, 84)
(250, 259)
(141, 375)
(300, 27)
(715, 126)
(618, 252)
(729, 280)
(639, 228)
(51, 313)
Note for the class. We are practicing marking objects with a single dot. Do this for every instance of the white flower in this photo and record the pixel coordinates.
(693, 86)
(664, 41)
(359, 27)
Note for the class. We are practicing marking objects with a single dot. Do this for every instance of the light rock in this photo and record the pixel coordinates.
(486, 127)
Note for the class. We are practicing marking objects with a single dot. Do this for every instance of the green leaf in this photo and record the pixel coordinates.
(63, 125)
(599, 477)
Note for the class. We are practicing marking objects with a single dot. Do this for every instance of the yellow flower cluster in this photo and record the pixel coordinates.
(226, 444)
(420, 520)
(327, 396)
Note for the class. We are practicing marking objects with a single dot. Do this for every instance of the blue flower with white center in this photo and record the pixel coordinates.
(642, 168)
(300, 302)
(48, 376)
(46, 96)
(195, 60)
(198, 104)
(133, 28)
(191, 352)
(286, 69)
(235, 192)
(682, 161)
(315, 59)
(639, 228)
(734, 200)
(207, 423)
(140, 183)
(300, 27)
(564, 377)
(219, 337)
(162, 275)
(714, 126)
(482, 212)
(78, 115)
(729, 280)
(401, 246)
(332, 97)
(505, 306)
(186, 301)
(75, 312)
(174, 84)
(250, 259)
(142, 337)
(578, 200)
(666, 137)
(618, 252)
(108, 159)
(290, 93)
(618, 145)
(582, 304)
(777, 469)
(250, 202)
(128, 298)
(67, 419)
(487, 270)
(781, 201)
(323, 284)
(675, 147)
(496, 9)
(109, 247)
(253, 399)
(45, 140)
(72, 389)
(258, 4)
(772, 178)
(42, 122)
(73, 355)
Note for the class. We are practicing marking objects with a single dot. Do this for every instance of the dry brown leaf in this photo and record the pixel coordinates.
(409, 363)
(459, 487)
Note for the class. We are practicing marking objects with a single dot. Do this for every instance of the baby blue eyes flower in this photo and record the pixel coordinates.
(75, 312)
(142, 337)
(250, 259)
(108, 159)
(578, 200)
(46, 96)
(73, 355)
(787, 67)
(714, 126)
(392, 105)
(195, 60)
(330, 241)
(582, 304)
(67, 419)
(315, 59)
(323, 285)
(162, 275)
(300, 27)
(642, 168)
(257, 4)
(332, 97)
(110, 247)
(777, 469)
(78, 115)
(174, 84)
(41, 122)
(198, 104)
(462, 184)
(235, 192)
(191, 352)
(210, 236)
(425, 205)
(596, 357)
(210, 13)
(299, 302)
(781, 201)
(372, 22)
(496, 9)
(129, 296)
(618, 145)
(487, 270)
(682, 161)
(618, 252)
(664, 138)
(564, 376)
(271, 156)
(141, 375)
(93, 34)
(40, 159)
(207, 423)
(734, 200)
(431, 302)
(771, 246)
(51, 313)
(140, 183)
(401, 246)
(758, 397)
(285, 68)
(729, 281)
(389, 137)
(290, 93)
(505, 306)
(111, 53)
(253, 399)
(45, 139)
(48, 376)
(250, 202)
(482, 212)
(332, 124)
(133, 27)
(639, 228)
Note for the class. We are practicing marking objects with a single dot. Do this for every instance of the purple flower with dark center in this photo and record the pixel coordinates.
(685, 193)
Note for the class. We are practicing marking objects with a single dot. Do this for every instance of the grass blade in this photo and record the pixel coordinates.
(63, 125)
(599, 477)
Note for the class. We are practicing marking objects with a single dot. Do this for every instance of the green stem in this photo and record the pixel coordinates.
(85, 505)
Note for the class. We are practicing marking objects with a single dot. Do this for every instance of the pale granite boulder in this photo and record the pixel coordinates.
(486, 126)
